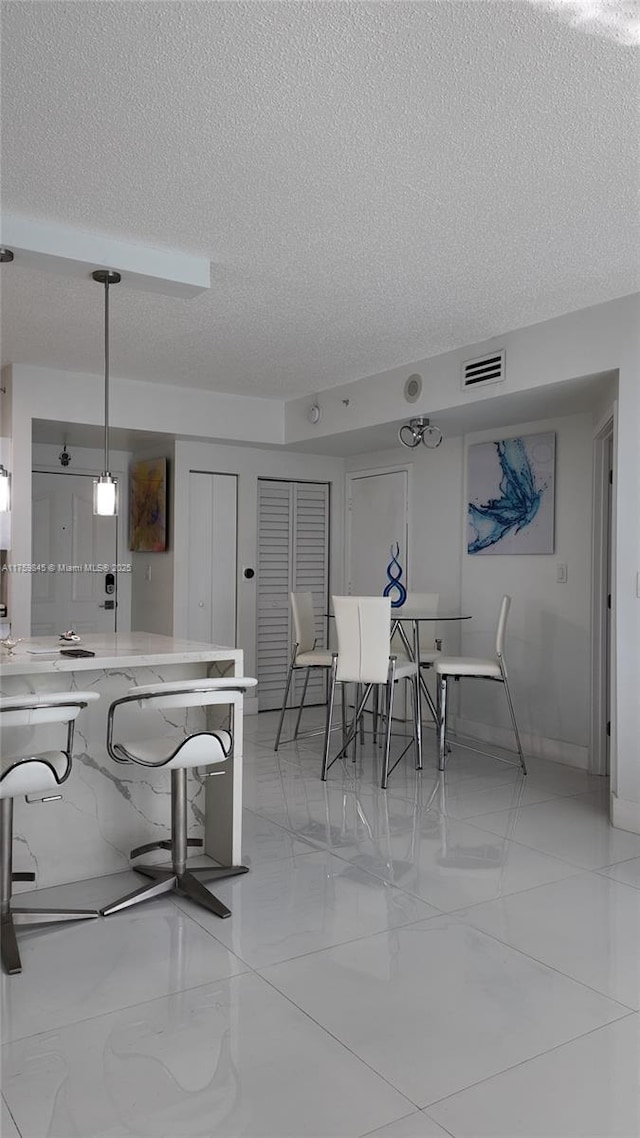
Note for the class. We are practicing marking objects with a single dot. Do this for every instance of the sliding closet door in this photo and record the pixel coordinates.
(212, 557)
(293, 556)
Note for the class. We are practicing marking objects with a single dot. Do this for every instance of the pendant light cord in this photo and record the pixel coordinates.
(106, 375)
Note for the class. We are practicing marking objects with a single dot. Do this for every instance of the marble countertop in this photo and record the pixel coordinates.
(114, 650)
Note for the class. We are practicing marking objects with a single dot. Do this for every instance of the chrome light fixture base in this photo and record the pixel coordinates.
(420, 430)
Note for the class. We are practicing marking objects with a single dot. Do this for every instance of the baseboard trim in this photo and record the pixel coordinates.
(556, 750)
(625, 815)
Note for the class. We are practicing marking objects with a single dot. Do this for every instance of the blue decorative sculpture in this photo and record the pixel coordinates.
(394, 573)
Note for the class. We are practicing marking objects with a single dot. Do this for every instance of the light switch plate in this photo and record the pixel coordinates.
(561, 574)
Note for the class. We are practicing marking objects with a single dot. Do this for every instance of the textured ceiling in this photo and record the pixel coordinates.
(373, 182)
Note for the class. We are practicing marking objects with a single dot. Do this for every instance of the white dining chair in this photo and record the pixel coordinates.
(363, 630)
(305, 655)
(492, 668)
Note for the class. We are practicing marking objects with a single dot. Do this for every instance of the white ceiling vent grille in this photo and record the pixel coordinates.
(484, 370)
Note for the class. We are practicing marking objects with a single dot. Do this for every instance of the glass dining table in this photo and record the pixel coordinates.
(413, 618)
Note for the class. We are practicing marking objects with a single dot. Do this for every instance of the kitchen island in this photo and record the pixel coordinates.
(107, 809)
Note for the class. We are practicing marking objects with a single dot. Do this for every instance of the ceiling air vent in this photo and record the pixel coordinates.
(484, 370)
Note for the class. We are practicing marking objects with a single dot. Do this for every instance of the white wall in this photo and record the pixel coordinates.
(249, 464)
(549, 629)
(152, 573)
(548, 642)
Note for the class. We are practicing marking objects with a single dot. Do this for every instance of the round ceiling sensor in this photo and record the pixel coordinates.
(413, 388)
(314, 414)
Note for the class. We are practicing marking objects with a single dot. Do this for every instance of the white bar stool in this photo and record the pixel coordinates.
(200, 749)
(43, 774)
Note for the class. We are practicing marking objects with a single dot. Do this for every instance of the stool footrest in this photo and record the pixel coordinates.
(165, 844)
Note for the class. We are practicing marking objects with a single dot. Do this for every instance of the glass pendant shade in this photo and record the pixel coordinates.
(5, 490)
(105, 495)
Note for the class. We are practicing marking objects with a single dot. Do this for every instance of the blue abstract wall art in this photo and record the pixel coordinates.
(511, 487)
(395, 589)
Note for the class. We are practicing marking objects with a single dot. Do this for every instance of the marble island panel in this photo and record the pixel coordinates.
(106, 809)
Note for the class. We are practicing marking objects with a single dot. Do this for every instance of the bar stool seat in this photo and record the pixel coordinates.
(42, 773)
(178, 754)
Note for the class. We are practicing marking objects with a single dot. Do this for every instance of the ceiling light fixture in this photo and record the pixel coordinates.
(418, 431)
(105, 488)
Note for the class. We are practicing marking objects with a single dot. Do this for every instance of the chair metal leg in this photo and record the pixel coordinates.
(160, 885)
(359, 696)
(513, 720)
(190, 887)
(9, 946)
(327, 733)
(304, 694)
(387, 745)
(442, 721)
(417, 719)
(286, 696)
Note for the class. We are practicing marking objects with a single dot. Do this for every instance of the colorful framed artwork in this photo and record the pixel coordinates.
(148, 506)
(511, 495)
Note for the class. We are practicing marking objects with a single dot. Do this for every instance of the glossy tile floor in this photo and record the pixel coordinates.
(459, 956)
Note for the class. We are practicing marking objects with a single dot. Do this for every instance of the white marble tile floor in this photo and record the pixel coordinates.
(455, 957)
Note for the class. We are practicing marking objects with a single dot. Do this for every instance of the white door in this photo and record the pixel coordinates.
(211, 612)
(377, 521)
(73, 542)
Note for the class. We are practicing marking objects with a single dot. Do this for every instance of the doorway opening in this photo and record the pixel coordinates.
(603, 601)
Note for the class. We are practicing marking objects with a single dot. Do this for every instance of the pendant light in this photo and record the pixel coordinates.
(5, 490)
(105, 488)
(6, 257)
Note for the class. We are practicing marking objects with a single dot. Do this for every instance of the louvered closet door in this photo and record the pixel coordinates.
(293, 555)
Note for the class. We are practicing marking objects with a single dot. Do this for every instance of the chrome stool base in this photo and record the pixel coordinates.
(10, 954)
(166, 880)
(10, 916)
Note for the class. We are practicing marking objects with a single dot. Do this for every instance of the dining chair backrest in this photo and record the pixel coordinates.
(303, 620)
(363, 629)
(502, 625)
